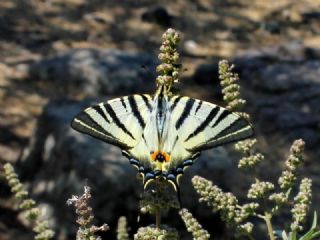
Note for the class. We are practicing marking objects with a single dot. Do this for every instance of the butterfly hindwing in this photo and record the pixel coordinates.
(119, 121)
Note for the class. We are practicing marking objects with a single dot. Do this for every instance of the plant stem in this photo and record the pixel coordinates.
(267, 218)
(158, 209)
(158, 218)
(250, 237)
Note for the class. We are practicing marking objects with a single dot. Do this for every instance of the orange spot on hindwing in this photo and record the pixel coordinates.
(154, 155)
(166, 156)
(160, 156)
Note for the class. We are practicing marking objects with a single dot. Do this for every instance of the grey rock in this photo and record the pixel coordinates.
(272, 26)
(281, 77)
(207, 75)
(290, 51)
(158, 15)
(283, 97)
(309, 17)
(60, 161)
(94, 72)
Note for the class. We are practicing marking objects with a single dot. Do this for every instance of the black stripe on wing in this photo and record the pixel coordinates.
(175, 102)
(135, 110)
(185, 113)
(117, 121)
(84, 119)
(235, 126)
(85, 124)
(198, 107)
(147, 102)
(124, 105)
(101, 112)
(238, 130)
(222, 116)
(204, 124)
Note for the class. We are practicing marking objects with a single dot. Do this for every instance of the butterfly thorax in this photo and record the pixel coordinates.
(160, 157)
(161, 101)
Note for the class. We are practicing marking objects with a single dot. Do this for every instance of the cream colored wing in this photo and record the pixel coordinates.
(120, 121)
(198, 125)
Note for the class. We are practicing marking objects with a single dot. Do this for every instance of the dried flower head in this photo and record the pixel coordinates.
(226, 203)
(279, 198)
(168, 69)
(216, 198)
(152, 232)
(230, 87)
(259, 190)
(295, 158)
(43, 231)
(244, 229)
(250, 161)
(193, 226)
(122, 229)
(288, 177)
(301, 204)
(247, 210)
(159, 198)
(86, 230)
(245, 146)
(28, 205)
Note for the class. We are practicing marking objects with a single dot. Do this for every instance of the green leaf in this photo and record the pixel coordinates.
(311, 234)
(308, 235)
(316, 234)
(314, 222)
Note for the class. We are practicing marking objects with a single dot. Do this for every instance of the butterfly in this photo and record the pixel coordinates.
(163, 134)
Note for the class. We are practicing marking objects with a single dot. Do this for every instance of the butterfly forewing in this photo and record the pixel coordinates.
(119, 121)
(206, 125)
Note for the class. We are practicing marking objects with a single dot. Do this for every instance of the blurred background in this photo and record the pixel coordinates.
(59, 56)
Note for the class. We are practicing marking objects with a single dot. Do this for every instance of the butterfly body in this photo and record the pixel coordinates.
(163, 134)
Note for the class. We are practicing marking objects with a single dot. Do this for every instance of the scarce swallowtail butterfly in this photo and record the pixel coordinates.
(161, 135)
